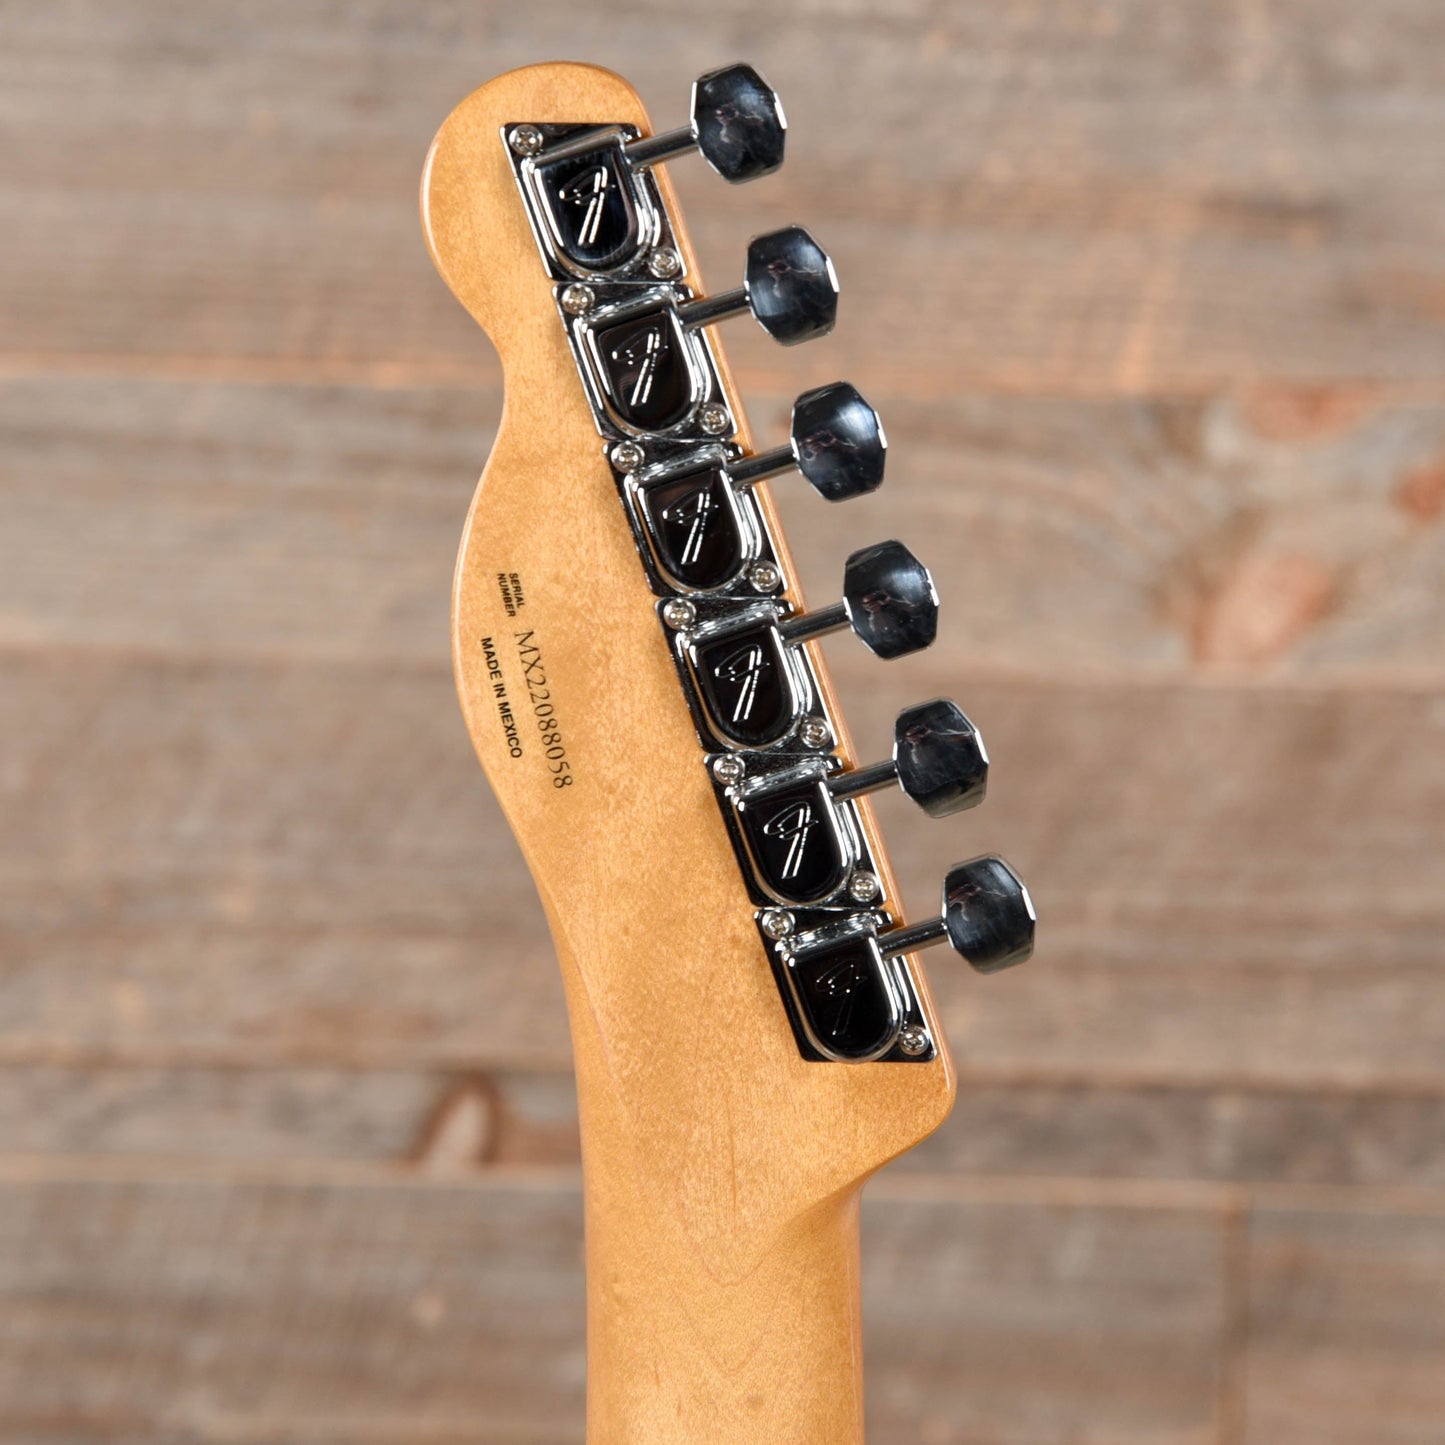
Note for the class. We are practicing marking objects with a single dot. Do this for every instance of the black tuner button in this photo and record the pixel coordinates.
(989, 914)
(789, 285)
(799, 848)
(888, 599)
(693, 523)
(737, 126)
(739, 123)
(988, 918)
(938, 760)
(836, 442)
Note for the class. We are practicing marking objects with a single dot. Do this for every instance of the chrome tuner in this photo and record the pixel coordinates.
(836, 441)
(803, 847)
(938, 761)
(988, 918)
(889, 601)
(789, 285)
(748, 676)
(737, 126)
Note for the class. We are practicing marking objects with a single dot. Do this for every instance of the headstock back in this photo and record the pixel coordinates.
(584, 668)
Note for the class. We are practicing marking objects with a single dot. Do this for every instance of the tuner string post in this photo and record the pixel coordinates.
(709, 310)
(857, 781)
(808, 625)
(759, 466)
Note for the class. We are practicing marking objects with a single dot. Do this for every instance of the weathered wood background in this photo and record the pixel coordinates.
(1152, 297)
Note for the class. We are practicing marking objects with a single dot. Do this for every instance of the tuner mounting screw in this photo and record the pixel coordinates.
(678, 613)
(664, 263)
(526, 140)
(728, 769)
(714, 418)
(814, 732)
(765, 577)
(627, 456)
(776, 922)
(577, 299)
(863, 887)
(913, 1040)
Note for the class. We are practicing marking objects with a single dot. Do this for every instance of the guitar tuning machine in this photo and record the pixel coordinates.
(737, 126)
(701, 536)
(598, 210)
(654, 380)
(846, 988)
(835, 441)
(648, 366)
(788, 284)
(745, 672)
(889, 601)
(987, 918)
(804, 848)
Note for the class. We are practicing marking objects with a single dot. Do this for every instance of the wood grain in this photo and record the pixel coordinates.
(1283, 535)
(1151, 301)
(456, 1124)
(300, 865)
(1347, 1337)
(315, 1311)
(1115, 200)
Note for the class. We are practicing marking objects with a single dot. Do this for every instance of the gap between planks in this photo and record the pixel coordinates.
(1213, 679)
(486, 373)
(1228, 1201)
(447, 1071)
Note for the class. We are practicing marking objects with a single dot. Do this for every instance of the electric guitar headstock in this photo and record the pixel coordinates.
(753, 1030)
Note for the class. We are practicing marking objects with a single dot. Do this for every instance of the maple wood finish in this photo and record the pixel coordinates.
(721, 1169)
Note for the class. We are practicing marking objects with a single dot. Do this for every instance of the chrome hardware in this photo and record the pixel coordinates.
(776, 923)
(678, 612)
(627, 456)
(864, 887)
(888, 600)
(765, 577)
(751, 687)
(749, 672)
(729, 769)
(987, 917)
(664, 263)
(788, 284)
(577, 299)
(836, 441)
(913, 1039)
(596, 208)
(938, 761)
(801, 847)
(654, 380)
(737, 126)
(813, 733)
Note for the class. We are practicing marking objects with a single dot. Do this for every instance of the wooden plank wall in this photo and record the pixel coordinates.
(1152, 297)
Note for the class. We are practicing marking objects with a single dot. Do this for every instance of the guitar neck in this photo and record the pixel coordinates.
(698, 1334)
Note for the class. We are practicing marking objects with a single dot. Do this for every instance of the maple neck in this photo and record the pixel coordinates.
(696, 1334)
